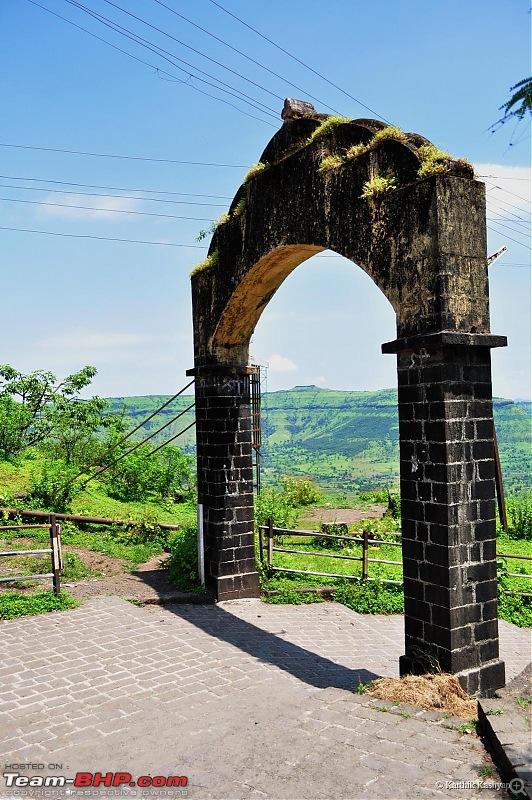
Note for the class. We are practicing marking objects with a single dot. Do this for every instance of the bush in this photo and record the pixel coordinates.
(335, 529)
(519, 512)
(51, 489)
(371, 597)
(277, 505)
(515, 609)
(301, 491)
(183, 561)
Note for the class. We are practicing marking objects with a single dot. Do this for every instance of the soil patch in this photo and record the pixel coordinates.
(312, 517)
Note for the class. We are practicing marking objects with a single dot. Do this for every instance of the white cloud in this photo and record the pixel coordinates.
(87, 207)
(507, 190)
(278, 363)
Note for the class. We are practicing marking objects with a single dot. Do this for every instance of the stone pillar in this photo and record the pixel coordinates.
(448, 507)
(225, 479)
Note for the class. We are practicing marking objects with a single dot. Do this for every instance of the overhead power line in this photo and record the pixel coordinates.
(245, 55)
(109, 450)
(193, 49)
(119, 155)
(155, 67)
(303, 64)
(137, 445)
(501, 233)
(112, 188)
(100, 238)
(102, 210)
(231, 90)
(114, 196)
(525, 199)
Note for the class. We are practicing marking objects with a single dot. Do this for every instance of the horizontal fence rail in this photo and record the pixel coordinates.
(270, 532)
(54, 551)
(267, 547)
(17, 512)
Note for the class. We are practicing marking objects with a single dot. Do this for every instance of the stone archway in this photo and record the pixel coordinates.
(419, 233)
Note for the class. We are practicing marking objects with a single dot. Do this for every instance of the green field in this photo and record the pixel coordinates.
(347, 441)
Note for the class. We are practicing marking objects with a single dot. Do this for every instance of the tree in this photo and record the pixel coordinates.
(519, 103)
(37, 410)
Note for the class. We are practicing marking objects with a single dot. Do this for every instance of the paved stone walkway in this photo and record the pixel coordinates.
(247, 700)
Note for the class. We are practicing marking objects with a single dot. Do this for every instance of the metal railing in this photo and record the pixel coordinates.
(54, 551)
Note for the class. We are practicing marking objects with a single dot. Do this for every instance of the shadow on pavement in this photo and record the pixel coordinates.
(271, 648)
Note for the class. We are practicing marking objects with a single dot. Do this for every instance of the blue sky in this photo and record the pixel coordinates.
(440, 68)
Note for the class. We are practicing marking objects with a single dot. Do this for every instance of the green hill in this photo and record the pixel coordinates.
(345, 440)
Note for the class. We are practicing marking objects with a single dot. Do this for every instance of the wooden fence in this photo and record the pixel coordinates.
(54, 551)
(267, 547)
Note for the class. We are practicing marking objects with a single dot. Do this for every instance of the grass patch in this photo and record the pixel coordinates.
(239, 208)
(13, 605)
(434, 692)
(327, 126)
(331, 162)
(255, 170)
(380, 184)
(207, 263)
(294, 597)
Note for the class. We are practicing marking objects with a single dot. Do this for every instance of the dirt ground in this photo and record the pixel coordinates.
(148, 583)
(313, 516)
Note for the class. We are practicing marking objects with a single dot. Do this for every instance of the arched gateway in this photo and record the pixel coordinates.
(414, 220)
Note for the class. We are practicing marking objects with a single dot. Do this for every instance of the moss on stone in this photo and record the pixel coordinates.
(208, 263)
(326, 126)
(331, 162)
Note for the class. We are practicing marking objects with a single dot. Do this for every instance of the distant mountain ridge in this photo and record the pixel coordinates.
(343, 439)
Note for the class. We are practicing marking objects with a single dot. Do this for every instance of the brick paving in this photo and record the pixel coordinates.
(248, 700)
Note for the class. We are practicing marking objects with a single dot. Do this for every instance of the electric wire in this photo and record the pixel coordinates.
(509, 228)
(102, 210)
(153, 66)
(114, 196)
(172, 439)
(244, 55)
(112, 188)
(118, 155)
(498, 202)
(100, 238)
(135, 447)
(128, 435)
(303, 64)
(128, 34)
(193, 49)
(525, 199)
(501, 233)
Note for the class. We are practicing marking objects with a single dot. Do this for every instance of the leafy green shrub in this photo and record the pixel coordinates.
(133, 477)
(371, 597)
(519, 511)
(278, 506)
(335, 529)
(515, 609)
(300, 491)
(14, 605)
(52, 488)
(174, 474)
(183, 561)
